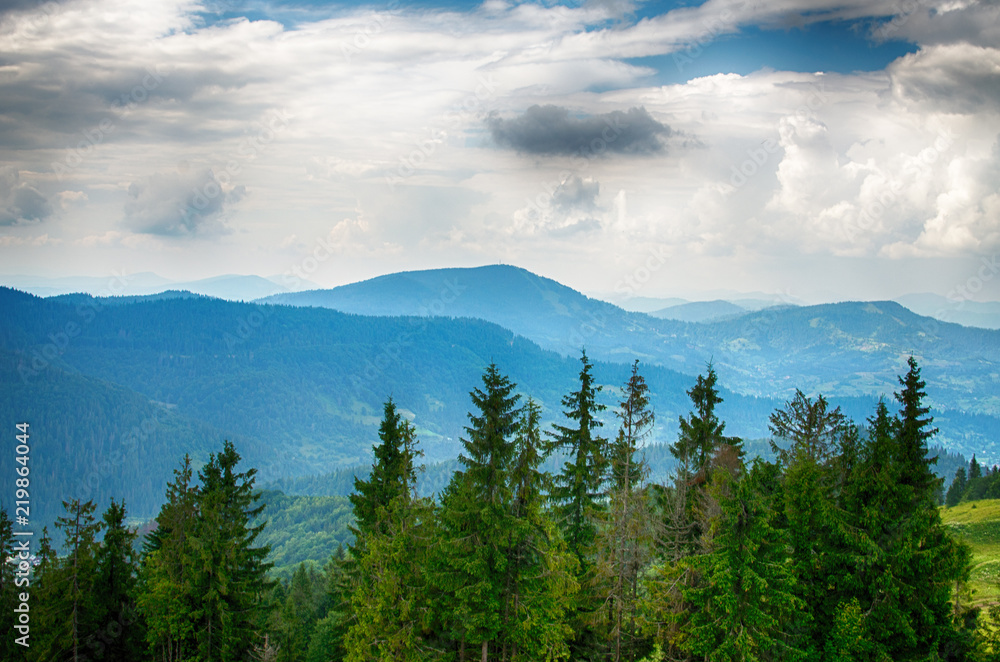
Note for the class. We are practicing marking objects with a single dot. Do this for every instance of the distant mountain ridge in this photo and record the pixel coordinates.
(300, 389)
(847, 349)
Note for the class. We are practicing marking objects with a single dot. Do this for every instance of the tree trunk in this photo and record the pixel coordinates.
(486, 648)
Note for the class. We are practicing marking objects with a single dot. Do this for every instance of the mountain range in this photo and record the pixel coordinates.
(118, 389)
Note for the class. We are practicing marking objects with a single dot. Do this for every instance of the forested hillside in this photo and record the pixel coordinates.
(298, 389)
(843, 349)
(833, 550)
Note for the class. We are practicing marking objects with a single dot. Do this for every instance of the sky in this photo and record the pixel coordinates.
(810, 150)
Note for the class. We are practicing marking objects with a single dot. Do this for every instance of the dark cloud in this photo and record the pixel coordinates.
(47, 6)
(179, 205)
(20, 202)
(550, 130)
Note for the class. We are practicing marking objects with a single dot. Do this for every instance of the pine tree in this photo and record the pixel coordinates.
(957, 488)
(578, 488)
(122, 632)
(815, 527)
(625, 538)
(166, 595)
(914, 431)
(75, 588)
(475, 518)
(228, 571)
(744, 606)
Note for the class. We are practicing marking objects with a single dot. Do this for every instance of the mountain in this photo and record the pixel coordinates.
(231, 287)
(843, 349)
(300, 389)
(699, 311)
(984, 314)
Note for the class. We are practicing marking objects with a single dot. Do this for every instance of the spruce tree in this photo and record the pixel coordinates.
(228, 570)
(391, 598)
(391, 474)
(957, 488)
(166, 595)
(75, 594)
(578, 488)
(121, 629)
(815, 527)
(701, 433)
(626, 535)
(914, 431)
(475, 516)
(539, 586)
(745, 606)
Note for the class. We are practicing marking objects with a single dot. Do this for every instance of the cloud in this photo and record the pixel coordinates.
(958, 78)
(550, 130)
(576, 193)
(20, 202)
(180, 205)
(561, 210)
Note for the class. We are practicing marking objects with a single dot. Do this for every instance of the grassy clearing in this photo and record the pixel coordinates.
(978, 524)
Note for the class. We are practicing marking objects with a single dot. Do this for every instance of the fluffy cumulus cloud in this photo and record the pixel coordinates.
(19, 201)
(551, 130)
(383, 131)
(175, 204)
(955, 78)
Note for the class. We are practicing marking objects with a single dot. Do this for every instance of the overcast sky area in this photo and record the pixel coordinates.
(811, 149)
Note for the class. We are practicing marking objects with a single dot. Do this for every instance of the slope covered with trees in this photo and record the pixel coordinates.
(834, 550)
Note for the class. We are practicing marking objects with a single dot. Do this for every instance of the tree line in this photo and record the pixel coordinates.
(832, 551)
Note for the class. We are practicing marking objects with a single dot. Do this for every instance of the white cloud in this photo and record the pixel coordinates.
(386, 131)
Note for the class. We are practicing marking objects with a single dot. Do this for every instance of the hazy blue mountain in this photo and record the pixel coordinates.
(300, 390)
(232, 287)
(641, 304)
(109, 285)
(984, 314)
(699, 311)
(845, 349)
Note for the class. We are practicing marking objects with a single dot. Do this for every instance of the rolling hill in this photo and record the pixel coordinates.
(843, 349)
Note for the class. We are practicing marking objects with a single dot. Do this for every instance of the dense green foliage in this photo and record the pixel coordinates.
(833, 549)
